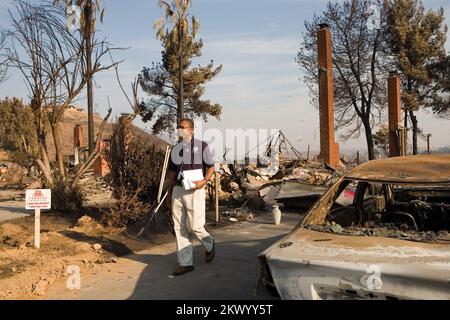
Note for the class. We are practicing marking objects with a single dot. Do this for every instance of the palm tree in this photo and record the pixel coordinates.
(89, 11)
(177, 17)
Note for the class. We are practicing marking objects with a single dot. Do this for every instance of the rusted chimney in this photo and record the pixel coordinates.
(329, 150)
(394, 107)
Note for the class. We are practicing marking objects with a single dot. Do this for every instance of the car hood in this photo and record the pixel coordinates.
(307, 261)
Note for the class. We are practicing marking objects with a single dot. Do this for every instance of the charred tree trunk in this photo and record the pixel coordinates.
(369, 139)
(415, 133)
(45, 171)
(180, 78)
(181, 89)
(42, 160)
(90, 93)
(181, 85)
(406, 118)
(44, 164)
(58, 151)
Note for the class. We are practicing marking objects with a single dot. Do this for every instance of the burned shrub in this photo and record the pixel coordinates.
(66, 197)
(135, 169)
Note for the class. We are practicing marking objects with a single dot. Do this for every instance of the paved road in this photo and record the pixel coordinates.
(147, 275)
(15, 209)
(10, 210)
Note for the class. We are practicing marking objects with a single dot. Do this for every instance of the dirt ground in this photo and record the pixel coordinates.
(26, 272)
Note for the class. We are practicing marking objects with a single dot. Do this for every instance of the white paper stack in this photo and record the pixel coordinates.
(189, 176)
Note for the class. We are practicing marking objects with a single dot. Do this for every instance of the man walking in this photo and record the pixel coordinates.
(190, 157)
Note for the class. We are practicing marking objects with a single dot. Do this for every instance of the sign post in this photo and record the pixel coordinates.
(37, 200)
(37, 228)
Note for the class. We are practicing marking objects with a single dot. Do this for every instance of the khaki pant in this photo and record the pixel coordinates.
(188, 209)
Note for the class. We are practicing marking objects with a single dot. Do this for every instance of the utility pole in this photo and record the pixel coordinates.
(428, 144)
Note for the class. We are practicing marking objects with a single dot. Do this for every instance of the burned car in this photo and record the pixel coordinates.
(391, 241)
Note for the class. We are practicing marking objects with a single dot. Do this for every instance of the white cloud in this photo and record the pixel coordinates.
(256, 47)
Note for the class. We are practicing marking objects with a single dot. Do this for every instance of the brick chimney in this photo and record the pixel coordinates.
(100, 166)
(329, 149)
(394, 107)
(78, 136)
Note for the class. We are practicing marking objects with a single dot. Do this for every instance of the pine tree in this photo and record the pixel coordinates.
(441, 75)
(416, 40)
(175, 88)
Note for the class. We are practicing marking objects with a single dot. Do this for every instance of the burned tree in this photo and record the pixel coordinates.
(90, 9)
(52, 61)
(440, 72)
(359, 85)
(416, 42)
(135, 163)
(174, 88)
(135, 169)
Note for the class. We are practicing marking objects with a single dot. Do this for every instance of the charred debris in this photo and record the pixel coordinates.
(281, 176)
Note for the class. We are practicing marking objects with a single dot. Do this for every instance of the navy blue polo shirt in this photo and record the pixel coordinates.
(190, 156)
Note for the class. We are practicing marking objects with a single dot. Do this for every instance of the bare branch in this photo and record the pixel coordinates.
(3, 60)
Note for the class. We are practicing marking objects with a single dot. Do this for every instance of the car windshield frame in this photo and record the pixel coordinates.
(318, 210)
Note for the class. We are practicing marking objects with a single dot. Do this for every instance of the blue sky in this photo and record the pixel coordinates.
(256, 41)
